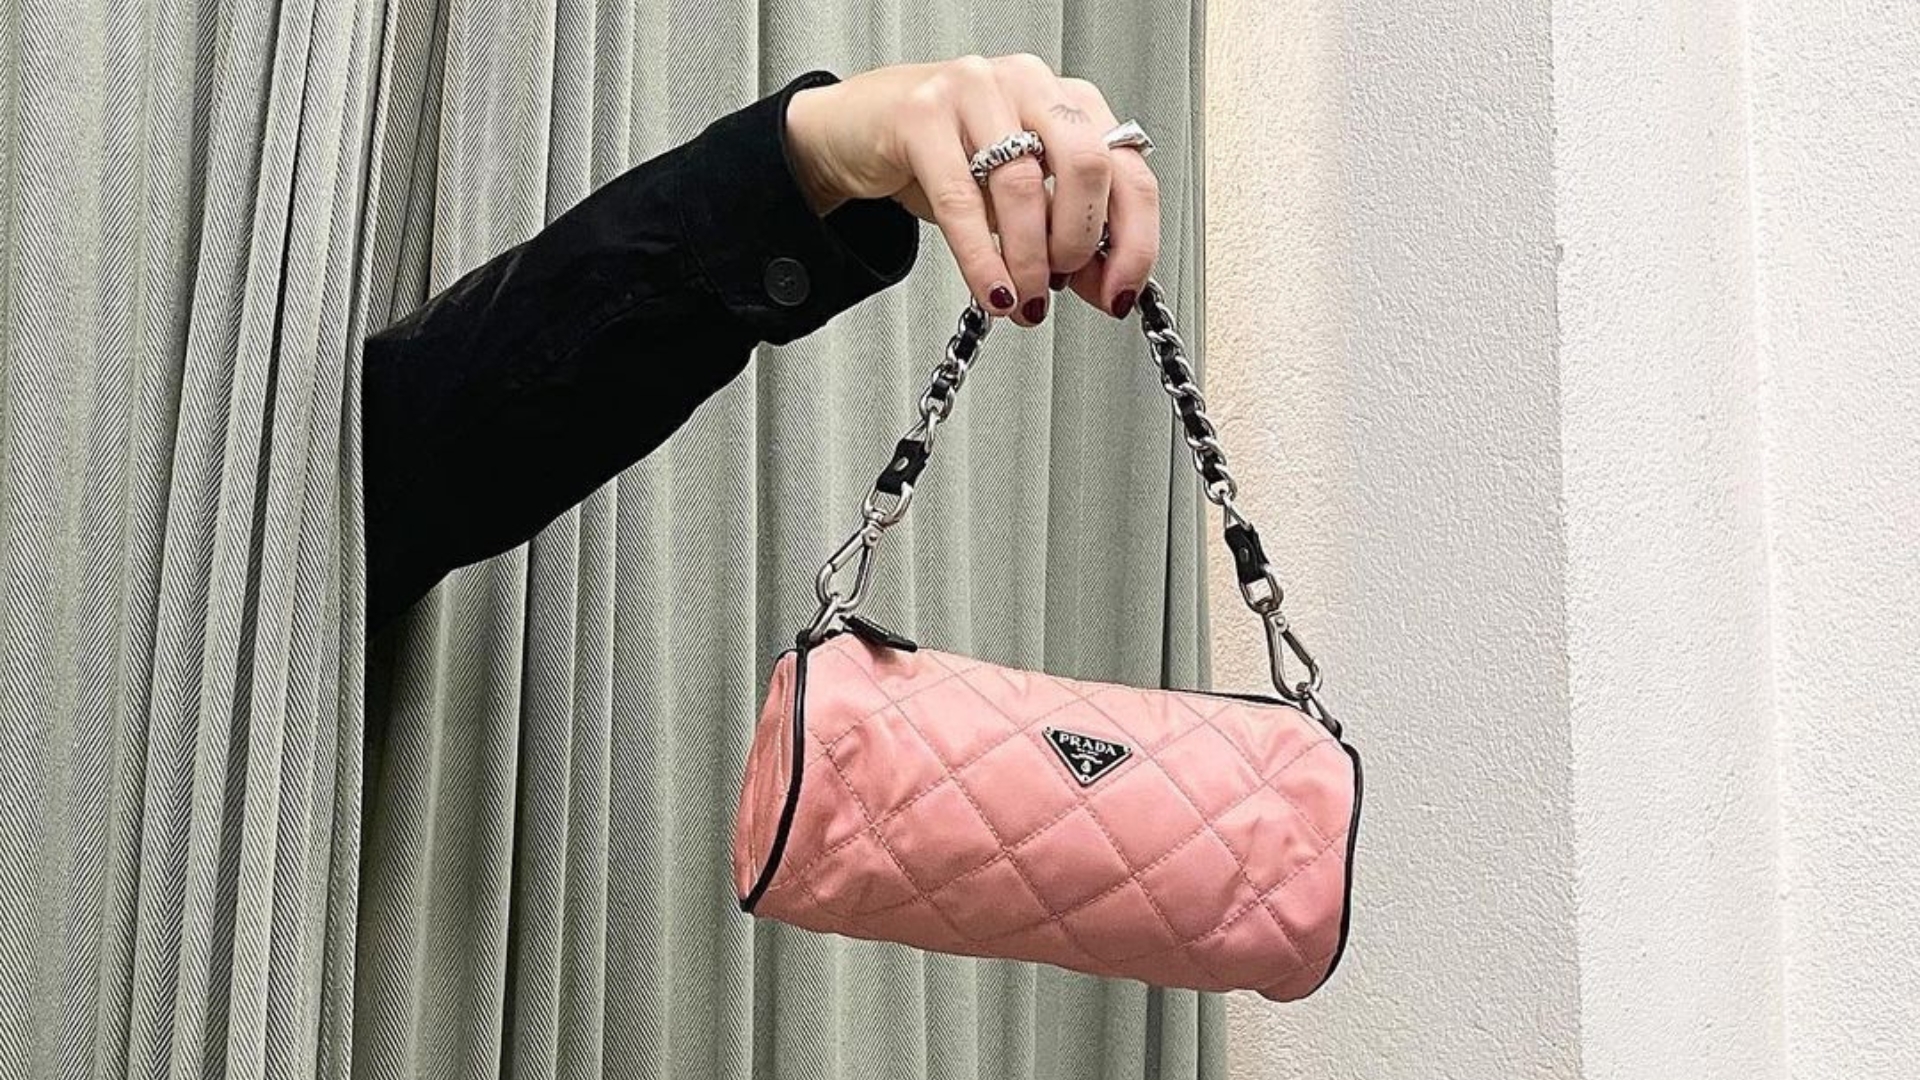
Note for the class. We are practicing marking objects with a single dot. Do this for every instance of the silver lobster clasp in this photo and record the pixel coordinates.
(1280, 642)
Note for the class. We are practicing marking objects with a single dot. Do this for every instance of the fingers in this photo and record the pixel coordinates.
(1077, 155)
(1133, 218)
(1017, 192)
(1134, 222)
(1043, 236)
(960, 210)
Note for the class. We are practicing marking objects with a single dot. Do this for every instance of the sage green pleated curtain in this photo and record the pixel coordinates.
(218, 857)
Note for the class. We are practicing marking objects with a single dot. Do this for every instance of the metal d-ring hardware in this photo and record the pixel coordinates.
(886, 503)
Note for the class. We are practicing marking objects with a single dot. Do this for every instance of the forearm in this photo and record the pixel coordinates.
(539, 376)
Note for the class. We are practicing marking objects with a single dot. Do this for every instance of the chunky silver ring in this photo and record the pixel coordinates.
(1131, 135)
(1018, 145)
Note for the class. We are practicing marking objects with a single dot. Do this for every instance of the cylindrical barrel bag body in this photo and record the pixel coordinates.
(1181, 838)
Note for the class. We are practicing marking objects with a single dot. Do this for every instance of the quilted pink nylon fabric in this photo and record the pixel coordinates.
(934, 811)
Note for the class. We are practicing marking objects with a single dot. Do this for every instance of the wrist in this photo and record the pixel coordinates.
(806, 150)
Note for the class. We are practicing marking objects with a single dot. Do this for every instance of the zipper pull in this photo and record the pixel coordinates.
(876, 635)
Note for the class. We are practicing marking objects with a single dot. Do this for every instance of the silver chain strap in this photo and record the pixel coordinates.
(886, 504)
(892, 492)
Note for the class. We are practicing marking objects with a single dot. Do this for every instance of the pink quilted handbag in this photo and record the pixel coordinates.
(1180, 838)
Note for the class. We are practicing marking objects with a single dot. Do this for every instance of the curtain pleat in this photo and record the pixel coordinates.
(233, 843)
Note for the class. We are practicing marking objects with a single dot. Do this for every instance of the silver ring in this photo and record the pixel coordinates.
(1131, 135)
(1018, 145)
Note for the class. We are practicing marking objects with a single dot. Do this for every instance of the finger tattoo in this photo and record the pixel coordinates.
(1069, 113)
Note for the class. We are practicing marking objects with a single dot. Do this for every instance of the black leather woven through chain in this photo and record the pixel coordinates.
(1175, 372)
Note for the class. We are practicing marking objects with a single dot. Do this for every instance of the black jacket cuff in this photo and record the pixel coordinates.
(782, 270)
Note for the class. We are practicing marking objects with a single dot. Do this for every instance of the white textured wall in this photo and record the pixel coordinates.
(1665, 572)
(1570, 352)
(1380, 288)
(1836, 121)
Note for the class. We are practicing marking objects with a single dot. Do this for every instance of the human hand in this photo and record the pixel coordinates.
(908, 132)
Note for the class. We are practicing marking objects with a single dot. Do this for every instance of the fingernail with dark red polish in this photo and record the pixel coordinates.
(1123, 304)
(1001, 297)
(1057, 282)
(1035, 309)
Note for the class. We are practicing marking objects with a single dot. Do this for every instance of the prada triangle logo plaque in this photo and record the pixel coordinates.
(1088, 758)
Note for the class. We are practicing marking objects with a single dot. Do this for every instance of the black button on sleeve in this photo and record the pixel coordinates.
(787, 282)
(740, 203)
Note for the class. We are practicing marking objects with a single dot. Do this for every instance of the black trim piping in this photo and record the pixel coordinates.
(778, 848)
(1353, 834)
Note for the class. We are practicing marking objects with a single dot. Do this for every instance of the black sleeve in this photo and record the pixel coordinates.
(539, 376)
